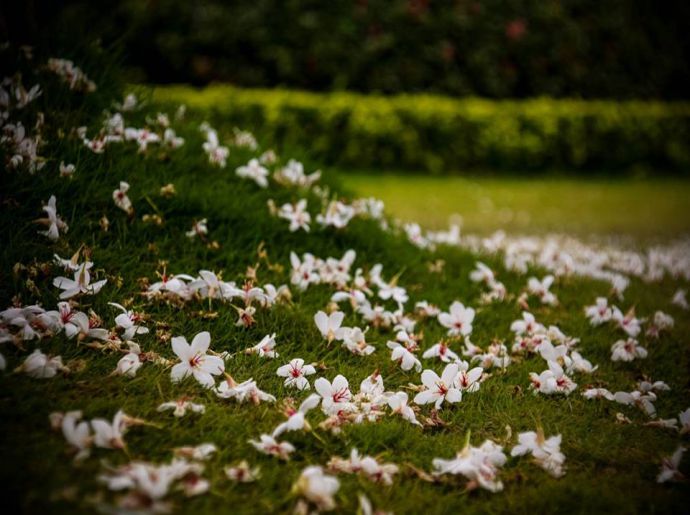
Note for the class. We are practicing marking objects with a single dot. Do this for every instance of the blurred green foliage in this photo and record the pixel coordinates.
(442, 134)
(488, 48)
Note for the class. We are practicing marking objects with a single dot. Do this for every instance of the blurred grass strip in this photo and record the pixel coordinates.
(441, 135)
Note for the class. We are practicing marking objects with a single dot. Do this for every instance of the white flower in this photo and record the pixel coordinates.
(482, 274)
(669, 467)
(242, 472)
(528, 325)
(296, 420)
(66, 170)
(627, 350)
(354, 341)
(244, 139)
(596, 393)
(337, 215)
(628, 322)
(442, 351)
(329, 325)
(217, 154)
(241, 392)
(480, 465)
(181, 406)
(265, 348)
(254, 171)
(600, 312)
(680, 300)
(297, 215)
(580, 364)
(398, 404)
(52, 221)
(42, 366)
(109, 435)
(644, 401)
(293, 174)
(142, 137)
(439, 389)
(335, 394)
(194, 361)
(660, 323)
(552, 381)
(458, 320)
(171, 139)
(403, 356)
(656, 386)
(80, 284)
(365, 465)
(199, 228)
(318, 488)
(130, 362)
(469, 380)
(295, 372)
(304, 272)
(269, 445)
(545, 451)
(200, 452)
(426, 310)
(128, 322)
(77, 434)
(540, 289)
(121, 199)
(684, 419)
(208, 285)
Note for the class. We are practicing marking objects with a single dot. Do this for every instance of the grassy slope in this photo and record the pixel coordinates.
(610, 467)
(644, 208)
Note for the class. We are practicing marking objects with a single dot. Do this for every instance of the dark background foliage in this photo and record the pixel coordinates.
(491, 48)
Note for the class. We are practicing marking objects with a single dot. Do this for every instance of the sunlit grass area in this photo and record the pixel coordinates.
(644, 209)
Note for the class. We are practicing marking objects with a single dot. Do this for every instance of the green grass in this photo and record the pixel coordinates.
(644, 209)
(611, 467)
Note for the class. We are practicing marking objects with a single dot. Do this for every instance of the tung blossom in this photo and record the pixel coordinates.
(439, 389)
(254, 171)
(42, 366)
(194, 361)
(269, 445)
(545, 451)
(295, 372)
(121, 198)
(669, 467)
(181, 406)
(398, 404)
(265, 348)
(296, 417)
(54, 223)
(458, 320)
(317, 487)
(600, 312)
(403, 356)
(80, 284)
(335, 395)
(128, 322)
(627, 350)
(329, 325)
(297, 215)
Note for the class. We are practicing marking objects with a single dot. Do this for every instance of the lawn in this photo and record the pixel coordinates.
(612, 454)
(644, 209)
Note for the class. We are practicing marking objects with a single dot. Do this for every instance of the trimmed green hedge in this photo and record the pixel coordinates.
(443, 135)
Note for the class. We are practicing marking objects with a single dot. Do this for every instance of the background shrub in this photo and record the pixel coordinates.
(442, 134)
(487, 48)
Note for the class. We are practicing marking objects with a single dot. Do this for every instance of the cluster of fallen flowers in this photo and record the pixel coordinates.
(364, 294)
(565, 255)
